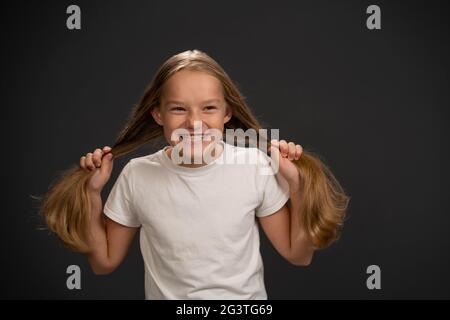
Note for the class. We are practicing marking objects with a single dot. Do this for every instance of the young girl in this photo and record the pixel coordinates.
(195, 203)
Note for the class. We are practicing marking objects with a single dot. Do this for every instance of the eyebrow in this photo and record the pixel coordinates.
(180, 102)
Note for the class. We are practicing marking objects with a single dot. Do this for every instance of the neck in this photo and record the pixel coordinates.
(215, 154)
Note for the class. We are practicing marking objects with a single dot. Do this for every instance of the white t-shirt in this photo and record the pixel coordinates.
(199, 236)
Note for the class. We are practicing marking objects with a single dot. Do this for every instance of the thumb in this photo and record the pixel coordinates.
(107, 164)
(275, 158)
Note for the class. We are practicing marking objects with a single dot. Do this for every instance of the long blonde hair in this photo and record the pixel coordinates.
(66, 206)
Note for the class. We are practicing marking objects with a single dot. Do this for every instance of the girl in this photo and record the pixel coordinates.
(199, 235)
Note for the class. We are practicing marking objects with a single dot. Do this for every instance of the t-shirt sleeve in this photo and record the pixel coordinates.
(119, 205)
(275, 193)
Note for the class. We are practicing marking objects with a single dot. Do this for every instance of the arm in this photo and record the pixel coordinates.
(108, 240)
(283, 230)
(283, 227)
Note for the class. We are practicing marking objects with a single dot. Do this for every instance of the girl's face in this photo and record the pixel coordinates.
(192, 102)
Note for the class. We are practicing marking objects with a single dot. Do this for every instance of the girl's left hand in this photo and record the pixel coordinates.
(285, 153)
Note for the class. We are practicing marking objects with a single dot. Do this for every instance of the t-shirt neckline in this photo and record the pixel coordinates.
(169, 164)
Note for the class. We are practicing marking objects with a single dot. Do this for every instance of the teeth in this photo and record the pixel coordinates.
(196, 137)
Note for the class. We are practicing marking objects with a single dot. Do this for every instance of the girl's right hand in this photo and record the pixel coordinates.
(101, 162)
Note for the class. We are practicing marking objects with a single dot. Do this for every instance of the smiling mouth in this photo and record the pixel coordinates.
(195, 137)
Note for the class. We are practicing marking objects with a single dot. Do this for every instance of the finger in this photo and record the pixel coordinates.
(298, 151)
(106, 149)
(275, 158)
(83, 162)
(283, 148)
(274, 143)
(97, 157)
(89, 164)
(107, 164)
(291, 151)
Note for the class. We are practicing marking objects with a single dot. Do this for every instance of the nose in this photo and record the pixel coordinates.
(194, 122)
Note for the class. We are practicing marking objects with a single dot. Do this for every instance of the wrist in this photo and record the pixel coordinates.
(93, 192)
(295, 189)
(96, 205)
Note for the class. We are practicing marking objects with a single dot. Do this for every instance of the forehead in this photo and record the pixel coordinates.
(192, 85)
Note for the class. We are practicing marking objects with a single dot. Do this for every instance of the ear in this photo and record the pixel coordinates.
(156, 114)
(228, 114)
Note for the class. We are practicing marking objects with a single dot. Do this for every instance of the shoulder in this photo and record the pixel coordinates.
(253, 161)
(251, 155)
(150, 159)
(136, 166)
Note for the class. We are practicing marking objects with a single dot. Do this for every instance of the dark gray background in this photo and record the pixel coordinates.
(373, 104)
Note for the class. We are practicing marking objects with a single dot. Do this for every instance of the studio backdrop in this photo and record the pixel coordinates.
(363, 84)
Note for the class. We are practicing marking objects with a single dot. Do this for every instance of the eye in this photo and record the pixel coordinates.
(177, 108)
(210, 108)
